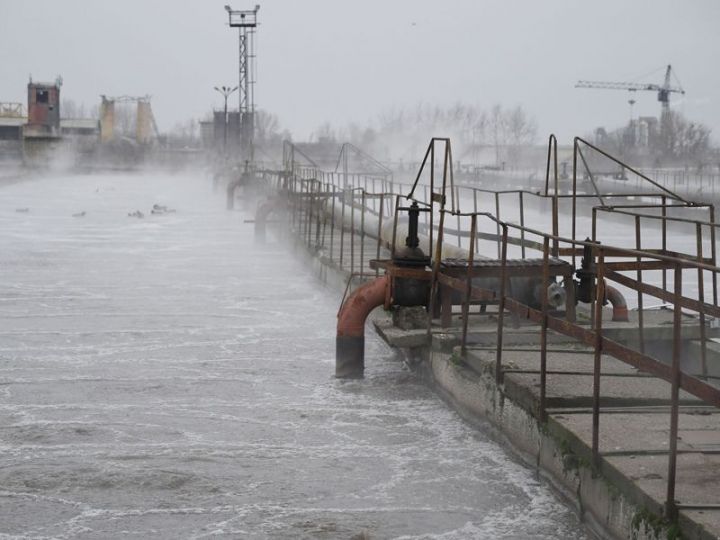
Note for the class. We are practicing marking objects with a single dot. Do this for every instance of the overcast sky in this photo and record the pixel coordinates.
(341, 61)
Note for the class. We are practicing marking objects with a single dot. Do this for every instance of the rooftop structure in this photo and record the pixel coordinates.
(43, 109)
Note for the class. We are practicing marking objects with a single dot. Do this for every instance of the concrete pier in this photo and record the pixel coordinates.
(623, 495)
(618, 414)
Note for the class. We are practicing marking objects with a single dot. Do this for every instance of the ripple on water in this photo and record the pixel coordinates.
(170, 379)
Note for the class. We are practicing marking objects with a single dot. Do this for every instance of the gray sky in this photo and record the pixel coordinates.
(341, 61)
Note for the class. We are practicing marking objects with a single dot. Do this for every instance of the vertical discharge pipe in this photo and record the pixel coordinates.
(350, 340)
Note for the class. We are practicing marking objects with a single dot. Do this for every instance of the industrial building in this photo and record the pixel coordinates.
(34, 134)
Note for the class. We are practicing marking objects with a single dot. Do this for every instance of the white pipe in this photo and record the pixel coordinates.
(370, 226)
(526, 289)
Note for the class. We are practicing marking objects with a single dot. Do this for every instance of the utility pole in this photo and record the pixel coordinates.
(246, 23)
(225, 91)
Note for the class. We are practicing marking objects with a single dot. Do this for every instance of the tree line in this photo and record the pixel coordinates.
(402, 133)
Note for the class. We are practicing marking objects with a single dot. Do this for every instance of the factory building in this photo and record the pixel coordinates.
(35, 133)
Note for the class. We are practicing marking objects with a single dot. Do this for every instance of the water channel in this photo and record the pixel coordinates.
(165, 377)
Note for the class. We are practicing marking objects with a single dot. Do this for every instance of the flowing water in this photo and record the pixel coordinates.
(164, 377)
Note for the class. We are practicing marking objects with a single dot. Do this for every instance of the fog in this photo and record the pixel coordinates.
(163, 374)
(166, 377)
(344, 62)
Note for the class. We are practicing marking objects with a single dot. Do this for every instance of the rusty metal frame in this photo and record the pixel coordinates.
(601, 344)
(613, 265)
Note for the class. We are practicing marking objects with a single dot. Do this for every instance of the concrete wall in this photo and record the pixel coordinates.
(609, 503)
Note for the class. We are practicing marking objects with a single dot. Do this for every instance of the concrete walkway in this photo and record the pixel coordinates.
(635, 410)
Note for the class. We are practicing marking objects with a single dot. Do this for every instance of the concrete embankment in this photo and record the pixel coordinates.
(620, 490)
(621, 497)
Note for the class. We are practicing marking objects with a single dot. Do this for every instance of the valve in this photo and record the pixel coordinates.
(411, 291)
(586, 273)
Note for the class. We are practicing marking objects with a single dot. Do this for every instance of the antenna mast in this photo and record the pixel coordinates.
(246, 23)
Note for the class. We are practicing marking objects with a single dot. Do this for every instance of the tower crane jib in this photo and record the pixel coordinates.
(663, 90)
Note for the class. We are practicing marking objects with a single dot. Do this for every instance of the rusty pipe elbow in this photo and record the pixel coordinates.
(350, 340)
(231, 194)
(619, 305)
(261, 216)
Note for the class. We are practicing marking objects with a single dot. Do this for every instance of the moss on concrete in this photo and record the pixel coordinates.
(654, 525)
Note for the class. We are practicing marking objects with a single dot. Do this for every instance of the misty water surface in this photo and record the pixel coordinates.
(164, 377)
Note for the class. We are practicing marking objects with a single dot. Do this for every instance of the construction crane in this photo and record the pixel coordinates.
(664, 90)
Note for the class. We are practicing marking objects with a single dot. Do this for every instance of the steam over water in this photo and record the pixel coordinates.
(164, 377)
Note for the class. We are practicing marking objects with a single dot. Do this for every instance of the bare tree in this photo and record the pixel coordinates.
(683, 139)
(498, 130)
(69, 108)
(324, 132)
(403, 132)
(521, 132)
(678, 140)
(267, 126)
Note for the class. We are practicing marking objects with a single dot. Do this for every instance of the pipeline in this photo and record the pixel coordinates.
(350, 340)
(243, 180)
(232, 186)
(261, 215)
(527, 290)
(369, 224)
(448, 251)
(619, 305)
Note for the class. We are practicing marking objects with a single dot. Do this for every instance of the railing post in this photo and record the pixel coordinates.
(641, 316)
(457, 196)
(670, 507)
(574, 196)
(501, 306)
(522, 224)
(379, 232)
(468, 286)
(362, 234)
(435, 272)
(319, 202)
(292, 195)
(497, 225)
(701, 300)
(332, 223)
(352, 231)
(593, 234)
(555, 222)
(342, 228)
(325, 216)
(475, 210)
(302, 213)
(309, 213)
(713, 252)
(543, 329)
(394, 230)
(599, 295)
(664, 238)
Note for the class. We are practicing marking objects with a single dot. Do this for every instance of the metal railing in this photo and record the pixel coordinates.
(340, 215)
(695, 384)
